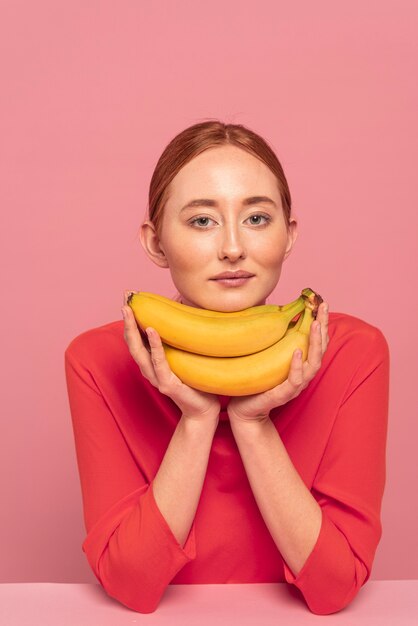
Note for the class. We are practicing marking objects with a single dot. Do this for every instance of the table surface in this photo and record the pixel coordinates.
(380, 602)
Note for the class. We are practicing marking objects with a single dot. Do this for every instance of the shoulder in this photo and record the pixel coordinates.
(357, 338)
(98, 343)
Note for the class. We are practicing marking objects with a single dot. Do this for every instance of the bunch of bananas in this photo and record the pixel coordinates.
(233, 354)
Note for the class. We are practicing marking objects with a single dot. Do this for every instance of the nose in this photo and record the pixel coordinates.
(231, 245)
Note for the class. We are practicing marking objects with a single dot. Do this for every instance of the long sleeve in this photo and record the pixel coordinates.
(334, 431)
(129, 545)
(349, 485)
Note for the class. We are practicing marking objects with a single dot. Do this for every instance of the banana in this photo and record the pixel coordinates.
(211, 333)
(261, 308)
(243, 375)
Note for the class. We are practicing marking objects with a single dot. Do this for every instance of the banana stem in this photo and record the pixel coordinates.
(285, 307)
(295, 307)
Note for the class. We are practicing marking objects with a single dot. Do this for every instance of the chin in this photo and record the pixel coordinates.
(233, 308)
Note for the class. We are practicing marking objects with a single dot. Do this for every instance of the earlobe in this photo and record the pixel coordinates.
(151, 244)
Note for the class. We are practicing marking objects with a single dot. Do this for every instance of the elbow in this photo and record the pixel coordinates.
(131, 586)
(327, 606)
(134, 557)
(137, 601)
(334, 572)
(336, 597)
(330, 605)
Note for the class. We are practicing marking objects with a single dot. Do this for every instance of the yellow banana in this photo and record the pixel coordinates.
(218, 335)
(261, 308)
(243, 375)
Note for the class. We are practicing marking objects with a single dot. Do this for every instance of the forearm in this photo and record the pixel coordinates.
(292, 515)
(178, 483)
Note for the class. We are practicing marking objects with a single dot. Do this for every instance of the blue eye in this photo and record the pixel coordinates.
(197, 219)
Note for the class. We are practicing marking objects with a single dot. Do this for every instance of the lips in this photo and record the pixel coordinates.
(233, 275)
(233, 282)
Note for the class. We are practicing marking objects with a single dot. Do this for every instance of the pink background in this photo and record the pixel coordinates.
(92, 93)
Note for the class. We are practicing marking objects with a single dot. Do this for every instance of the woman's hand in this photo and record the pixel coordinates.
(194, 404)
(258, 406)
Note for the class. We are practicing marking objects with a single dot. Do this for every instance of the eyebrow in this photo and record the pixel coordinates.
(247, 202)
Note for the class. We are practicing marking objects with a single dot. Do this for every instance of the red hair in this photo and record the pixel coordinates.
(196, 139)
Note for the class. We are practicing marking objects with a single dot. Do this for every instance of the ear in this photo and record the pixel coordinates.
(292, 236)
(152, 244)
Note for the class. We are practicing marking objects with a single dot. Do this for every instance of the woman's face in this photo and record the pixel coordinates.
(199, 242)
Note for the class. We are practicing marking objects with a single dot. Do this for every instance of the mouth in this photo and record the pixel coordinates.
(232, 282)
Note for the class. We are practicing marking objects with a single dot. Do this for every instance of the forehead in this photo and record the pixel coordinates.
(223, 170)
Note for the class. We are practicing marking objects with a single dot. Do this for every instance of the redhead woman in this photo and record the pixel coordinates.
(181, 486)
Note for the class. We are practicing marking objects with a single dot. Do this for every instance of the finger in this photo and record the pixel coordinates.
(325, 335)
(313, 362)
(324, 324)
(295, 376)
(136, 346)
(289, 388)
(165, 376)
(126, 294)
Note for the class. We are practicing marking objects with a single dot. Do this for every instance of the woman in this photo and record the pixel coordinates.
(181, 486)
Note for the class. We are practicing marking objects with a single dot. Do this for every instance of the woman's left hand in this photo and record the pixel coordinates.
(257, 407)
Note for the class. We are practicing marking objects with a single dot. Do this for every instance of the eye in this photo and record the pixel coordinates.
(266, 217)
(198, 219)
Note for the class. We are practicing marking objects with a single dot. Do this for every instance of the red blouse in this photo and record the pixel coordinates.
(334, 432)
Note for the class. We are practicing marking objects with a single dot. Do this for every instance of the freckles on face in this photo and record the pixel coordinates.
(191, 251)
(269, 251)
(232, 228)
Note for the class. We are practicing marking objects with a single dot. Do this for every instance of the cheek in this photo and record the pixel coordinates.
(189, 254)
(270, 253)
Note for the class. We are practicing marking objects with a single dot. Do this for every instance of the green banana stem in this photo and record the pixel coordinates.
(293, 308)
(285, 307)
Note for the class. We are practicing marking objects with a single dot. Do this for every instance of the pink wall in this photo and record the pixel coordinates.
(92, 93)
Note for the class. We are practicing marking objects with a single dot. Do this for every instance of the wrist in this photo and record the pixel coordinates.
(238, 420)
(208, 420)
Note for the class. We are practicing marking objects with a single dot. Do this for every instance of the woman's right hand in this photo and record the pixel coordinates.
(194, 404)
